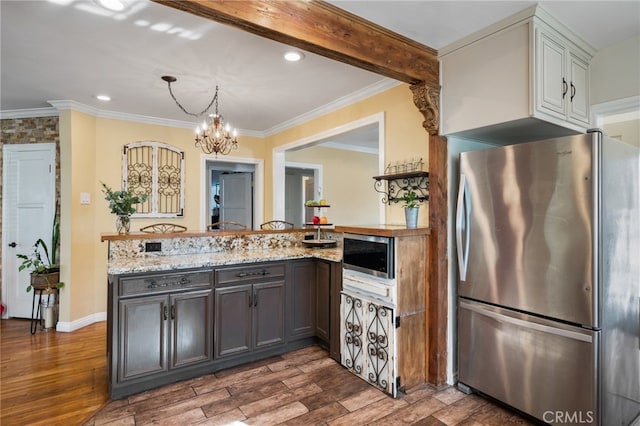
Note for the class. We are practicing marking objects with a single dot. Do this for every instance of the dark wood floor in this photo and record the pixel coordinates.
(60, 379)
(51, 378)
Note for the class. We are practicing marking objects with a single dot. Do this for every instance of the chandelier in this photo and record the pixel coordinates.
(214, 136)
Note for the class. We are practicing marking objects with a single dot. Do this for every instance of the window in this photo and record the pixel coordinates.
(156, 169)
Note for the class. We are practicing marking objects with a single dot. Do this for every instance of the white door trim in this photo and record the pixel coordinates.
(258, 187)
(279, 162)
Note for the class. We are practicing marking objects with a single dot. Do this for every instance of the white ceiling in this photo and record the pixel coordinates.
(75, 49)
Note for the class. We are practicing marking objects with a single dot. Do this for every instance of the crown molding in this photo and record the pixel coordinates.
(28, 113)
(64, 105)
(373, 89)
(346, 147)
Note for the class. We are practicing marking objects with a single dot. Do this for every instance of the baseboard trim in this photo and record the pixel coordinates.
(68, 327)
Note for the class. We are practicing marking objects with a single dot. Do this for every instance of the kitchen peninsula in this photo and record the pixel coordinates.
(186, 304)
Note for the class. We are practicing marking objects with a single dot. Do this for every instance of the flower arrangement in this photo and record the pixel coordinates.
(121, 202)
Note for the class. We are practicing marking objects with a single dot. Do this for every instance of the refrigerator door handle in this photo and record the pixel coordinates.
(527, 324)
(463, 211)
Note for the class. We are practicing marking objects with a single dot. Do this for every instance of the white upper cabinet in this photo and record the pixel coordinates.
(562, 77)
(522, 79)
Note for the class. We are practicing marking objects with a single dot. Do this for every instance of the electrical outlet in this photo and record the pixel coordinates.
(149, 247)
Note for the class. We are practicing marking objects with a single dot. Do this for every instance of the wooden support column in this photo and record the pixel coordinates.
(427, 98)
(324, 29)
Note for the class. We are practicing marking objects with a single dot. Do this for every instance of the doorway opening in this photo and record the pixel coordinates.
(349, 155)
(302, 183)
(232, 190)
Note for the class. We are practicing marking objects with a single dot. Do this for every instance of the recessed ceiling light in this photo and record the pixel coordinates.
(115, 5)
(293, 56)
(103, 97)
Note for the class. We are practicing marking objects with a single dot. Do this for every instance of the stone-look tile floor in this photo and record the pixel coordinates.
(304, 387)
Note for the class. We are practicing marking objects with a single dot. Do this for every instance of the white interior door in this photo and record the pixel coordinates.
(235, 198)
(28, 208)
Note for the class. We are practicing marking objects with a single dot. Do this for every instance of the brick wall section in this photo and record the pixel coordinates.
(30, 130)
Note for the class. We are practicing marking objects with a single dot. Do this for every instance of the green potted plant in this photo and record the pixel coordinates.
(45, 273)
(121, 204)
(411, 203)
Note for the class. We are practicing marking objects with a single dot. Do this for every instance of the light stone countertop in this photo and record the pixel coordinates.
(151, 263)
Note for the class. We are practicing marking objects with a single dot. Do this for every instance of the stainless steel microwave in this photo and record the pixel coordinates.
(369, 254)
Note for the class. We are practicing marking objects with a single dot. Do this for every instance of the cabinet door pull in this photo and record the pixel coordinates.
(165, 311)
(250, 299)
(255, 299)
(173, 312)
(564, 87)
(573, 91)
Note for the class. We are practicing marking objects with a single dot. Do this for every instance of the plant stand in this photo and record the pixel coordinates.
(36, 313)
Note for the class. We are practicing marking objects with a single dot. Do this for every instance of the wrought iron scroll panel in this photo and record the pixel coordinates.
(156, 169)
(368, 341)
(395, 186)
(352, 329)
(379, 351)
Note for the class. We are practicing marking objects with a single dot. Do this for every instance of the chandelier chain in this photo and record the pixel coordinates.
(203, 112)
(215, 136)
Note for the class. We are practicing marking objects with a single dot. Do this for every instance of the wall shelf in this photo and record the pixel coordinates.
(395, 186)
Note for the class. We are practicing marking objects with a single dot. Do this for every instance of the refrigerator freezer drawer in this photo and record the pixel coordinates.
(541, 367)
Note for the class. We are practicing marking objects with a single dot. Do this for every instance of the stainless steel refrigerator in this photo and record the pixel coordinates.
(548, 241)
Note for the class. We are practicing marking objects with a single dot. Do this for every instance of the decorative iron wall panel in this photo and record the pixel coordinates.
(156, 169)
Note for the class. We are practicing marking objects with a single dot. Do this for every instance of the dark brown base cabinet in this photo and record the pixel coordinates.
(160, 324)
(302, 299)
(250, 313)
(314, 302)
(168, 326)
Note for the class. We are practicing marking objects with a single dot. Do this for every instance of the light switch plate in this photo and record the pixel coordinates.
(85, 198)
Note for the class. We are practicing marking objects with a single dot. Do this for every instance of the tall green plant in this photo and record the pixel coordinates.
(34, 261)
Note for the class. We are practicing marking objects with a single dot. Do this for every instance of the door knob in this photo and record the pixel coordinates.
(12, 244)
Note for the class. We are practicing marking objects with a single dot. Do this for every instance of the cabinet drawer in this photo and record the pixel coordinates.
(249, 273)
(157, 283)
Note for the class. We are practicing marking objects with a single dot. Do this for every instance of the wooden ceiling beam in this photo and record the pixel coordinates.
(324, 29)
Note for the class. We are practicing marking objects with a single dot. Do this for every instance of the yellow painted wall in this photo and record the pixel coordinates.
(82, 280)
(405, 137)
(91, 152)
(347, 184)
